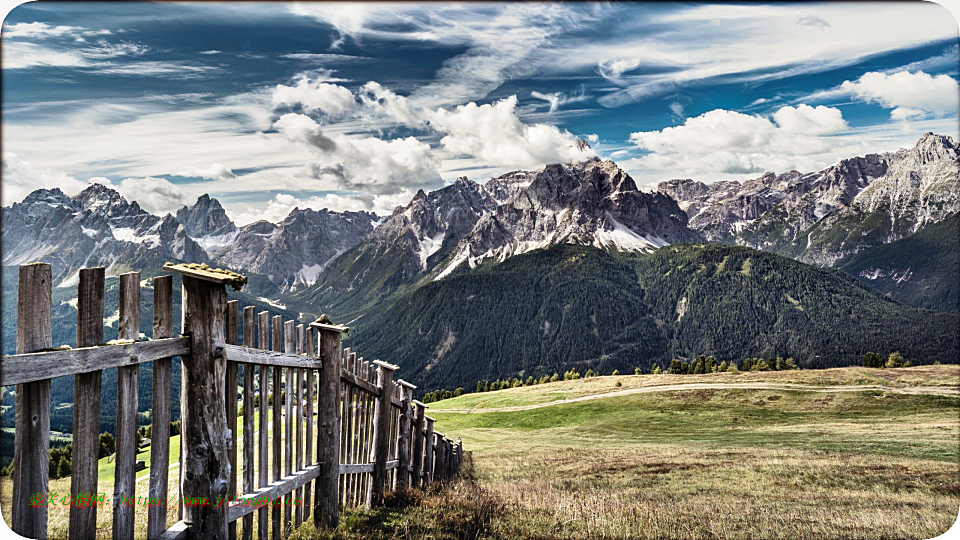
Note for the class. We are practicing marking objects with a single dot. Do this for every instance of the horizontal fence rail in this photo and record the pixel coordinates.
(279, 423)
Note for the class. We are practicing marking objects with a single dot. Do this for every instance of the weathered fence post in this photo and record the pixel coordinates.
(441, 451)
(86, 406)
(381, 434)
(428, 445)
(289, 395)
(31, 453)
(160, 430)
(263, 479)
(203, 410)
(404, 446)
(420, 412)
(125, 477)
(232, 338)
(326, 513)
(459, 455)
(277, 514)
(249, 407)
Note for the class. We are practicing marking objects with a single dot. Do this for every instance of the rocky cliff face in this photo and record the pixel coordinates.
(292, 253)
(590, 203)
(207, 222)
(97, 227)
(826, 217)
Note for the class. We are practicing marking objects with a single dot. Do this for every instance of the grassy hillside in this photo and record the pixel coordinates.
(845, 461)
(920, 270)
(568, 306)
(719, 463)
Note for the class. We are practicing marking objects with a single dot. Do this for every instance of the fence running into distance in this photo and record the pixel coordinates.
(370, 434)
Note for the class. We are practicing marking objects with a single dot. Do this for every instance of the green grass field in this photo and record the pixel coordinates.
(854, 453)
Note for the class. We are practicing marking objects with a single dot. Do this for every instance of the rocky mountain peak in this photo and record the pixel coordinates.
(932, 147)
(47, 196)
(589, 203)
(205, 218)
(97, 193)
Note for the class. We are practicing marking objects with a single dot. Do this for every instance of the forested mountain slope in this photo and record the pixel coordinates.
(573, 306)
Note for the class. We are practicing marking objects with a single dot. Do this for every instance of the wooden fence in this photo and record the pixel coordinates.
(342, 430)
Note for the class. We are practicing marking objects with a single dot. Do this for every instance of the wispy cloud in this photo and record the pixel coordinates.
(747, 43)
(503, 41)
(556, 99)
(217, 171)
(41, 30)
(326, 58)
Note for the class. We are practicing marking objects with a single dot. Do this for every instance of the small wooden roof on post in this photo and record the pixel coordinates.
(323, 323)
(204, 272)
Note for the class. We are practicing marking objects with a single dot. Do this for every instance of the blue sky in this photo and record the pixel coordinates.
(350, 106)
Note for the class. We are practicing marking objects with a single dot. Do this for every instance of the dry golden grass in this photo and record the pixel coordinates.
(671, 492)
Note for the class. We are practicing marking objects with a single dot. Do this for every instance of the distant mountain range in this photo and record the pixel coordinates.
(827, 217)
(888, 220)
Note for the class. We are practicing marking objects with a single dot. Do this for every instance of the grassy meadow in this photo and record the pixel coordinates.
(842, 456)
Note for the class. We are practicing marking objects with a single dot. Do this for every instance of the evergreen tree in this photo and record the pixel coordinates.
(63, 468)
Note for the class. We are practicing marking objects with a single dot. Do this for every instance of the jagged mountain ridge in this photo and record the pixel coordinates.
(292, 253)
(825, 218)
(408, 244)
(97, 227)
(589, 203)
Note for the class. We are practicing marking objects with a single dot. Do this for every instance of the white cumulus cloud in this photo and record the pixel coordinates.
(20, 178)
(315, 95)
(903, 89)
(819, 120)
(495, 134)
(364, 163)
(729, 142)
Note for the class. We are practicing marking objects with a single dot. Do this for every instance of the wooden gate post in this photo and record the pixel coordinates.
(404, 446)
(381, 434)
(420, 411)
(326, 512)
(31, 451)
(428, 445)
(206, 459)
